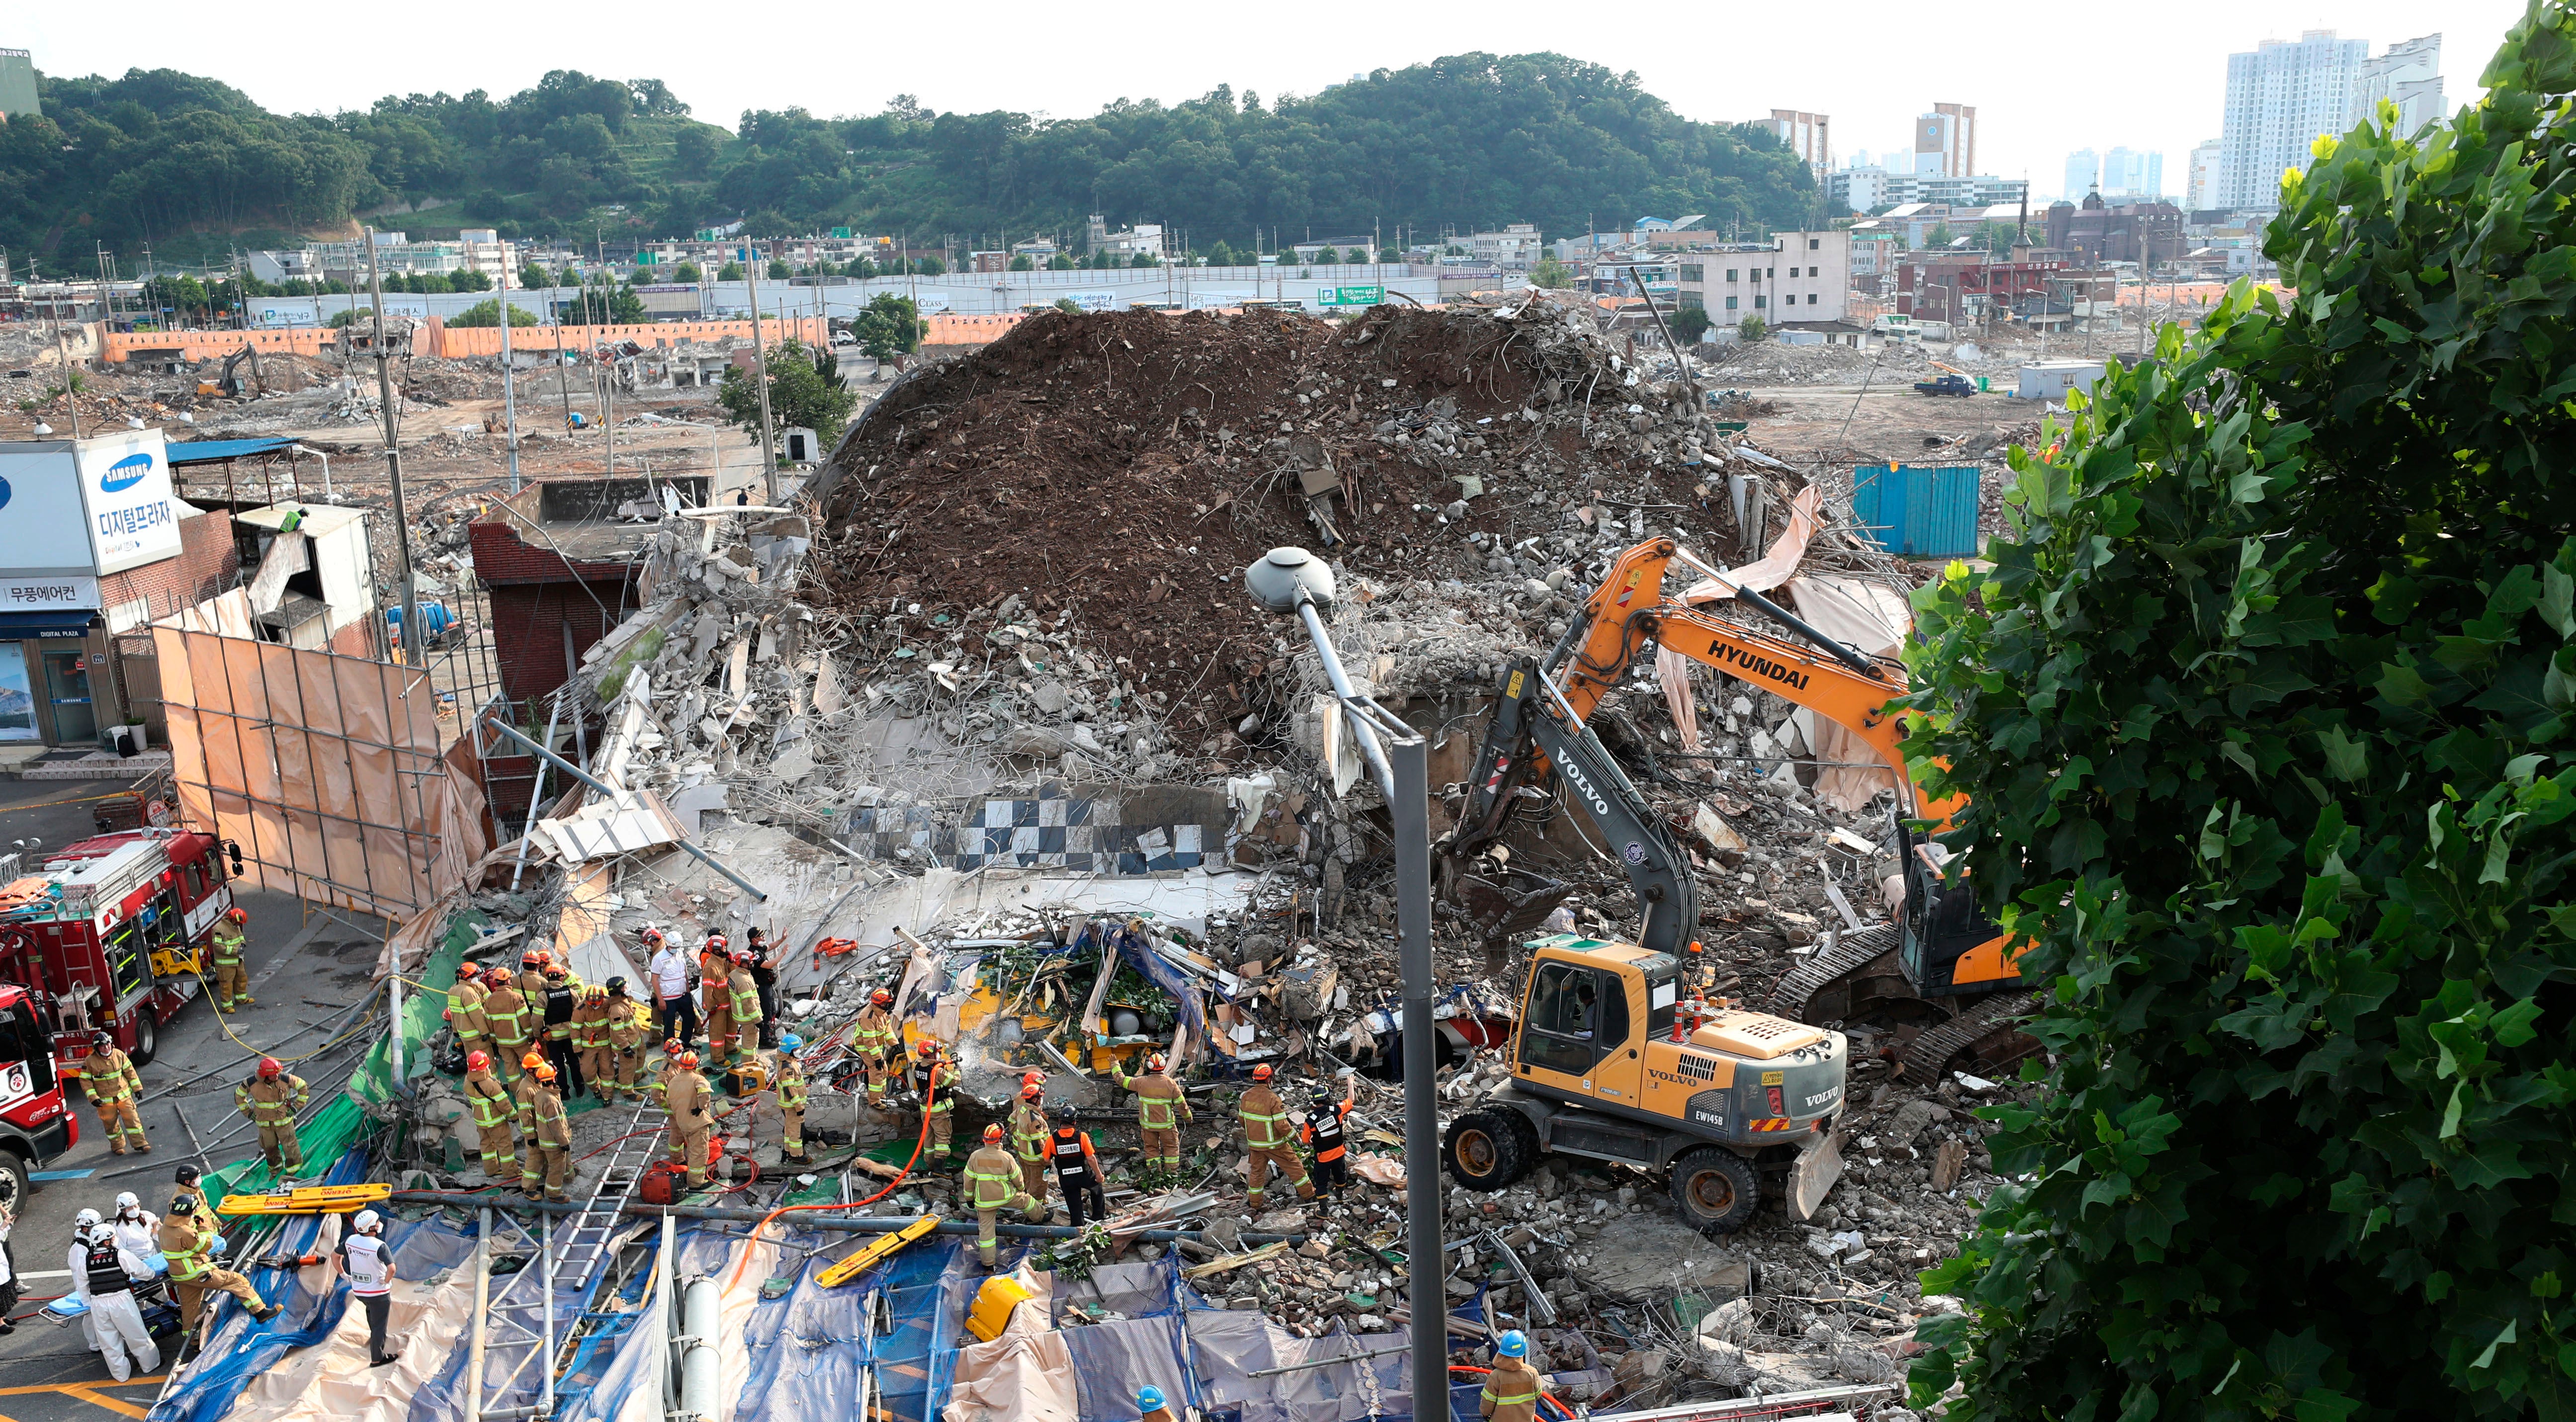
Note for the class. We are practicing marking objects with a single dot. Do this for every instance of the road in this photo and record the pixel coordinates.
(304, 967)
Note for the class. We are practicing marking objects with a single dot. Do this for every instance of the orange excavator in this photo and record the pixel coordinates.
(1942, 969)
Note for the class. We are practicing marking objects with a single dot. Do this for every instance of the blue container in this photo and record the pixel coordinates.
(1917, 510)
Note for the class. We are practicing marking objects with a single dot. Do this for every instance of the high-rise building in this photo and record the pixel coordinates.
(2200, 184)
(17, 84)
(1808, 135)
(2126, 172)
(2083, 174)
(1945, 141)
(2279, 98)
(2410, 75)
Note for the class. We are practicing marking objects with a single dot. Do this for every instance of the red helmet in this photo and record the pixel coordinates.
(497, 977)
(1033, 1091)
(993, 1134)
(237, 914)
(270, 1067)
(1154, 1062)
(881, 998)
(652, 936)
(689, 1060)
(745, 957)
(927, 1049)
(671, 1047)
(478, 1060)
(1032, 1078)
(1261, 1072)
(716, 943)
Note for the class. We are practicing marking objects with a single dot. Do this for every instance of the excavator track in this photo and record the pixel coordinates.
(1991, 1023)
(1822, 983)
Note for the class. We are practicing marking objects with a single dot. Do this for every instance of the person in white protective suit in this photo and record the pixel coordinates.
(82, 1224)
(104, 1274)
(137, 1228)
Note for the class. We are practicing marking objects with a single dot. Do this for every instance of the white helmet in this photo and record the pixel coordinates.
(125, 1201)
(368, 1220)
(84, 1219)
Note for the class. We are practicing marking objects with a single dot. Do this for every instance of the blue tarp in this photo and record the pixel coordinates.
(207, 451)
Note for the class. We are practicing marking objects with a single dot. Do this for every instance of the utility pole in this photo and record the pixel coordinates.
(71, 401)
(509, 397)
(393, 461)
(760, 370)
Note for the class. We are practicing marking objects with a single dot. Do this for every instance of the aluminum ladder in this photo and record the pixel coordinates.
(584, 1240)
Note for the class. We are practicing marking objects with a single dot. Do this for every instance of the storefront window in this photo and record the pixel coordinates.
(17, 695)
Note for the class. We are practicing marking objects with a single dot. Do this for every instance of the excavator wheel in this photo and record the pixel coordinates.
(1716, 1190)
(1490, 1149)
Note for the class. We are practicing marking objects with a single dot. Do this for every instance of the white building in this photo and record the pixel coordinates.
(1858, 189)
(1144, 237)
(2083, 174)
(1801, 278)
(1515, 247)
(485, 252)
(1869, 189)
(1810, 136)
(2200, 182)
(2128, 173)
(1945, 141)
(2410, 75)
(2279, 98)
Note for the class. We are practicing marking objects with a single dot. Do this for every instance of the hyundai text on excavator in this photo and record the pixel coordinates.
(1745, 1091)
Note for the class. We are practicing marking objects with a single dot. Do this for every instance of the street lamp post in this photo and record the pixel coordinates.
(1292, 580)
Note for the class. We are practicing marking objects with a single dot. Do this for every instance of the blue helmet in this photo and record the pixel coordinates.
(790, 1042)
(1513, 1344)
(1149, 1398)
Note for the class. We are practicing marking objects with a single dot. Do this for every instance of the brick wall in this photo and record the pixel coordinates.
(528, 622)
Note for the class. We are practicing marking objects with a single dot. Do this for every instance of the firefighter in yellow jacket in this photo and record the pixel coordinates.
(792, 1097)
(1161, 1107)
(992, 1186)
(224, 944)
(465, 1014)
(1511, 1389)
(188, 1243)
(113, 1086)
(1028, 1126)
(742, 1010)
(877, 1042)
(934, 1082)
(493, 1110)
(1269, 1142)
(271, 1099)
(505, 1016)
(550, 1149)
(590, 1039)
(629, 1022)
(691, 1104)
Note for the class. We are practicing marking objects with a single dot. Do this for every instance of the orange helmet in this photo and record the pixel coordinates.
(1032, 1078)
(927, 1049)
(270, 1068)
(545, 1071)
(993, 1134)
(532, 1061)
(689, 1059)
(1154, 1062)
(533, 958)
(1033, 1091)
(478, 1060)
(671, 1046)
(1261, 1072)
(652, 936)
(716, 943)
(497, 977)
(237, 914)
(881, 998)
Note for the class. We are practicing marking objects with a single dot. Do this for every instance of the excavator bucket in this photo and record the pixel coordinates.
(1509, 907)
(1819, 1165)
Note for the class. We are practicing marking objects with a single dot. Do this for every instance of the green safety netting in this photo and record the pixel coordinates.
(343, 1121)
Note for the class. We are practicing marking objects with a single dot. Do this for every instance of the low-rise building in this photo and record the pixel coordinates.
(1514, 248)
(1797, 278)
(2148, 233)
(560, 567)
(1145, 239)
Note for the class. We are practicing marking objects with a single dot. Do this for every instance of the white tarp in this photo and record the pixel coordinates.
(1875, 618)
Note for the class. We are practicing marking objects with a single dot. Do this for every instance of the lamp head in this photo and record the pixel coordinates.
(1282, 575)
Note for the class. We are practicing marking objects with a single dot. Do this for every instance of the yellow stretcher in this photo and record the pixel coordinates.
(311, 1200)
(883, 1248)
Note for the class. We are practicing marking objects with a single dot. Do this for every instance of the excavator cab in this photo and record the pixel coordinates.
(1947, 946)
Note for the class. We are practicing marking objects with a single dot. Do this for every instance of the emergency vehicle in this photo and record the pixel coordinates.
(112, 935)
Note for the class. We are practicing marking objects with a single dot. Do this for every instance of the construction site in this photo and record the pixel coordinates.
(973, 718)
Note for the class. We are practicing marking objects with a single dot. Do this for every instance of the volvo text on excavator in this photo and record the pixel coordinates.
(1942, 971)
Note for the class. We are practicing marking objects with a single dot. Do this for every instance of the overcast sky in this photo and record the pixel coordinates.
(2044, 81)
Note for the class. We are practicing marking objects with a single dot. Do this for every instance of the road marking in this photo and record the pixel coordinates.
(111, 1404)
(62, 1174)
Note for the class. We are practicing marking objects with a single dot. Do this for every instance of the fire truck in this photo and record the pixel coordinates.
(111, 935)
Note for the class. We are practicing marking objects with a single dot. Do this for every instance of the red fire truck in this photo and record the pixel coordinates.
(111, 934)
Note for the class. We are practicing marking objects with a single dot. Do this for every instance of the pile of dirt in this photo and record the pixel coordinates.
(1124, 466)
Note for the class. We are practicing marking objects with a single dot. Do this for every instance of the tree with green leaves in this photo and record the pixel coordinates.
(2265, 713)
(779, 270)
(1689, 324)
(730, 271)
(1021, 263)
(1752, 329)
(534, 277)
(888, 326)
(687, 272)
(468, 280)
(1552, 274)
(488, 313)
(1061, 262)
(1143, 259)
(805, 390)
(1068, 306)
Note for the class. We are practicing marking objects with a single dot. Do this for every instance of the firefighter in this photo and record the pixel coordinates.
(1029, 1135)
(562, 995)
(550, 1148)
(188, 1236)
(663, 1071)
(790, 1082)
(1161, 1107)
(1511, 1389)
(875, 1041)
(690, 1103)
(532, 975)
(715, 962)
(590, 1038)
(505, 1016)
(1150, 1406)
(1327, 1132)
(628, 1021)
(104, 1274)
(232, 980)
(492, 1112)
(271, 1098)
(992, 1186)
(764, 978)
(1268, 1142)
(113, 1087)
(1078, 1176)
(465, 1014)
(742, 1003)
(934, 1079)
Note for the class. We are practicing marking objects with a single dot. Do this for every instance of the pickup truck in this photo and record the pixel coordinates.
(1953, 384)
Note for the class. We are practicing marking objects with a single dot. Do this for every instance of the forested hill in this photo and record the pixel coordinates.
(1471, 140)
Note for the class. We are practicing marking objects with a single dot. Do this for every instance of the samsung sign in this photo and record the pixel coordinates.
(108, 497)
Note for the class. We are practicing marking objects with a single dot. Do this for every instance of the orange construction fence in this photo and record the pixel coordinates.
(438, 338)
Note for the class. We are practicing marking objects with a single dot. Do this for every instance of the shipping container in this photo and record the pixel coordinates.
(1918, 511)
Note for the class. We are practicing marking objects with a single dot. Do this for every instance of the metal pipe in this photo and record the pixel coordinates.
(604, 788)
(666, 1310)
(411, 633)
(482, 1308)
(1360, 730)
(1313, 1363)
(845, 1224)
(702, 1317)
(546, 1281)
(1410, 809)
(393, 1039)
(537, 796)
